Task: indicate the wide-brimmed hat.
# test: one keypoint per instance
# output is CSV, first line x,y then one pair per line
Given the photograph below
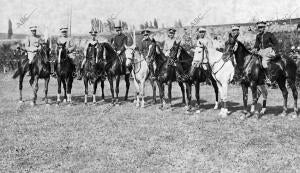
x,y
63,29
32,28
201,29
118,28
172,31
261,24
235,27
145,32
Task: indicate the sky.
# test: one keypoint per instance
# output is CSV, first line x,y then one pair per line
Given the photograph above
x,y
53,14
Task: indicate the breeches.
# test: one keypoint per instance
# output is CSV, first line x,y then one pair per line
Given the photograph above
x,y
266,54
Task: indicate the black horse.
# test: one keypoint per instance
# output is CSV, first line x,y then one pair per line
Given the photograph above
x,y
250,69
165,71
200,74
92,71
64,70
40,70
114,67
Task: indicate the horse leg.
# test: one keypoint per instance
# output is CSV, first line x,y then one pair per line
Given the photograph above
x,y
21,77
69,89
117,89
215,86
264,93
142,89
111,83
127,85
161,93
86,89
94,92
245,101
46,90
254,99
188,94
137,87
102,89
281,82
65,89
292,85
154,91
35,86
58,89
197,95
170,92
182,92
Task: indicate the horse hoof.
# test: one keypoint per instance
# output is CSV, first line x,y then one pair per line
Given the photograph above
x,y
186,107
94,103
283,114
198,111
263,111
32,103
65,100
47,104
142,106
85,103
216,107
21,101
224,115
295,115
257,115
243,117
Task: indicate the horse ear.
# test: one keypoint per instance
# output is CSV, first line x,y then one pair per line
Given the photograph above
x,y
230,35
65,44
179,43
153,40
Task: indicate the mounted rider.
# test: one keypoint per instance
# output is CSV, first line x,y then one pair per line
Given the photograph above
x,y
266,45
201,51
32,45
70,46
295,47
169,42
91,41
118,43
144,48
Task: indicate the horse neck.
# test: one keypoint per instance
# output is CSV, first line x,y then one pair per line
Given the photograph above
x,y
184,55
240,55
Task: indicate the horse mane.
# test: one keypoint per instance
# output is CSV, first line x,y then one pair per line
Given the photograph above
x,y
186,54
110,52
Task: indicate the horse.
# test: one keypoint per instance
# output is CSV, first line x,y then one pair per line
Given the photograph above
x,y
40,70
166,71
64,70
93,71
282,70
140,72
200,74
114,67
222,70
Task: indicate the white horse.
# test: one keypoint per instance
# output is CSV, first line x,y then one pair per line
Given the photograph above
x,y
223,72
140,73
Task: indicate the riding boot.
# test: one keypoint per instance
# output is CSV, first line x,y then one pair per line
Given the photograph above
x,y
30,69
80,74
267,80
153,77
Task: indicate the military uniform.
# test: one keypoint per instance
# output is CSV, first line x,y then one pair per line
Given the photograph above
x,y
168,44
69,45
32,44
146,41
119,42
266,44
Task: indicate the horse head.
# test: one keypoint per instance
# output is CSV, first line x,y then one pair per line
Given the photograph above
x,y
61,52
92,52
130,52
175,51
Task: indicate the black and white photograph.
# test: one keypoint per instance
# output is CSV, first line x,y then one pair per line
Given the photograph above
x,y
116,86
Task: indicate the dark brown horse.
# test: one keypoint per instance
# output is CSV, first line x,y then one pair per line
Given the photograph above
x,y
250,69
165,72
92,71
64,70
114,67
40,70
200,74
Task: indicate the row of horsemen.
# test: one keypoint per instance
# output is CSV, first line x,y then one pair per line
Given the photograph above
x,y
266,45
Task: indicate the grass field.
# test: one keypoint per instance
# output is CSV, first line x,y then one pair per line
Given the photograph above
x,y
105,138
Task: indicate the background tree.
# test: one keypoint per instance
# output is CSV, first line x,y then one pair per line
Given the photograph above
x,y
10,31
155,23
